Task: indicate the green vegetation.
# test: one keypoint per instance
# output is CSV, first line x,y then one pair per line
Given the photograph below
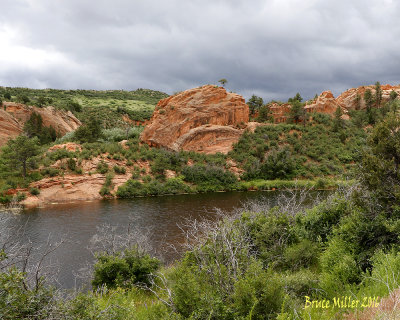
x,y
262,263
123,269
34,128
109,107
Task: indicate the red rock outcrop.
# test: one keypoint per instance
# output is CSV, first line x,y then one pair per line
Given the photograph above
x,y
9,127
14,115
325,103
74,187
205,119
353,99
279,111
69,146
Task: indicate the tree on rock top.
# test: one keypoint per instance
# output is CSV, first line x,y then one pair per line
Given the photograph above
x,y
223,81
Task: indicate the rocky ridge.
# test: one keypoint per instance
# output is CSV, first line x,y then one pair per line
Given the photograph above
x,y
14,115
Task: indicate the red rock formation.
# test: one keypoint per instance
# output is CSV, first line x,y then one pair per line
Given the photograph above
x,y
280,112
353,99
73,187
205,119
14,115
9,127
69,146
325,103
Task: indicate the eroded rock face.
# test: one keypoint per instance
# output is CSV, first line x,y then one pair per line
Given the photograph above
x,y
14,115
9,127
280,112
74,187
353,99
69,146
325,103
205,119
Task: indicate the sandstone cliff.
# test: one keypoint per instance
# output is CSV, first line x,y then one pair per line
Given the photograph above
x,y
14,115
325,103
353,98
206,119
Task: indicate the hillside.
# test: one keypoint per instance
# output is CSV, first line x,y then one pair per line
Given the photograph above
x,y
110,106
187,147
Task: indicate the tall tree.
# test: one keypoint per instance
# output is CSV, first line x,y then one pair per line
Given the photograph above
x,y
358,101
255,103
393,95
378,94
369,102
89,132
264,114
380,166
297,111
19,152
338,122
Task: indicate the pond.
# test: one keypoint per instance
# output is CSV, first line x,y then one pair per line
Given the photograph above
x,y
161,217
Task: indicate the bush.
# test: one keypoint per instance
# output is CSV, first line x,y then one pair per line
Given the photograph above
x,y
17,301
200,174
119,169
34,191
102,167
71,163
124,269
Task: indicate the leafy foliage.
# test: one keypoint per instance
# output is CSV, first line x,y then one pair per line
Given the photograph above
x,y
124,269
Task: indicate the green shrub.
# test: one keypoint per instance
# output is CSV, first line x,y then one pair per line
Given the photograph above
x,y
119,169
34,191
102,167
71,163
200,174
124,269
301,255
19,301
20,196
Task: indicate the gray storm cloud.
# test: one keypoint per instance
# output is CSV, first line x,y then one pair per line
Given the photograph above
x,y
270,48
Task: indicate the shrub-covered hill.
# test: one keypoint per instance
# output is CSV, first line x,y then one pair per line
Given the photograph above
x,y
271,157
286,151
109,106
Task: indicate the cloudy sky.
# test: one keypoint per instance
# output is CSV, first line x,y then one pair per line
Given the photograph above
x,y
272,48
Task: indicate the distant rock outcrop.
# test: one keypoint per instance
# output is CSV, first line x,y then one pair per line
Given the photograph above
x,y
206,119
325,103
14,115
353,99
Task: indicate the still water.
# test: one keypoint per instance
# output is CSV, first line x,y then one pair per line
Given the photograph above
x,y
164,216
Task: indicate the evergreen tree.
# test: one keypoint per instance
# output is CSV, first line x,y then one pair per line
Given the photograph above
x,y
369,102
34,128
264,114
297,111
89,132
338,122
393,95
378,94
223,81
19,152
380,167
358,101
255,103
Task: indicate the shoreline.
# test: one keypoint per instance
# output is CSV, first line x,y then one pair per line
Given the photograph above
x,y
32,202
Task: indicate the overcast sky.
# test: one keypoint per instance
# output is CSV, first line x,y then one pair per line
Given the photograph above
x,y
270,48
